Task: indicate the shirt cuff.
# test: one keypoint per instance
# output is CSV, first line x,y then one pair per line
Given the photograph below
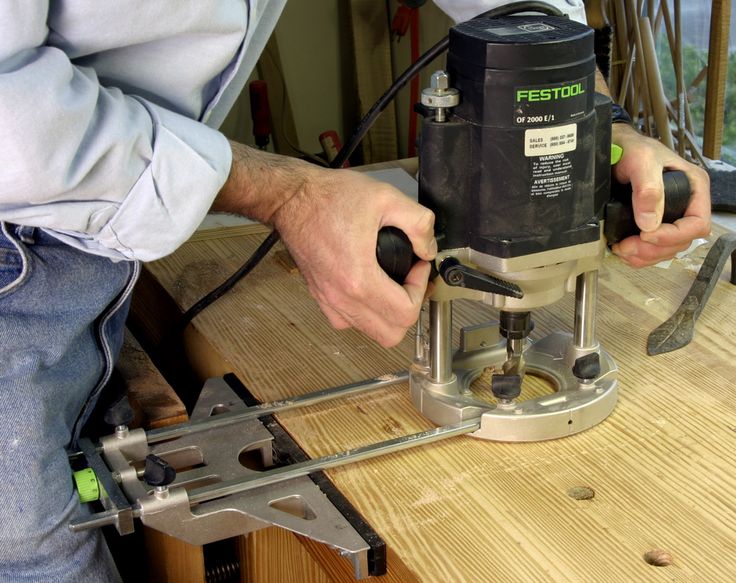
x,y
190,162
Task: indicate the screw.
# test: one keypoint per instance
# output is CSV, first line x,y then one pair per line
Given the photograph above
x,y
161,492
440,81
455,277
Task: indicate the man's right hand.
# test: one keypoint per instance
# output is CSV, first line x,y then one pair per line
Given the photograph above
x,y
329,221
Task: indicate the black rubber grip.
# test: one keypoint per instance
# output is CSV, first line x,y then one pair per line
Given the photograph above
x,y
395,253
620,221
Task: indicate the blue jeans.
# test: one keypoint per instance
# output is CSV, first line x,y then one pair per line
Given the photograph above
x,y
62,314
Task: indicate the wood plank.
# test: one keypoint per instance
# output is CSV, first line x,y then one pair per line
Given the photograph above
x,y
292,563
373,70
661,467
173,561
715,94
270,70
153,399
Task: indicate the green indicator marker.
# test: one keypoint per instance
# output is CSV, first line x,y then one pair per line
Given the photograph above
x,y
87,486
617,153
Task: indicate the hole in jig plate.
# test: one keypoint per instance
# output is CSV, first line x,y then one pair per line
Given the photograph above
x,y
294,505
252,459
219,410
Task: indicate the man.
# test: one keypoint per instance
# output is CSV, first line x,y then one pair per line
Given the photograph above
x,y
108,157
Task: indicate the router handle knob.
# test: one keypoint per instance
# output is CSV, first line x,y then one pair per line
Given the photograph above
x,y
620,222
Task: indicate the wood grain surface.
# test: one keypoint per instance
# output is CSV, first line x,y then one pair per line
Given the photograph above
x,y
648,495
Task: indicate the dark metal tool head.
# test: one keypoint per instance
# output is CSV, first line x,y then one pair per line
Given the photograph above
x,y
679,329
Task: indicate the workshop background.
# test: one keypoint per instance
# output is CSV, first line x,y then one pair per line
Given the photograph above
x,y
320,53
323,50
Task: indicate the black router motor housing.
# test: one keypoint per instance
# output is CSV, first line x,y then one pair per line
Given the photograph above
x,y
522,164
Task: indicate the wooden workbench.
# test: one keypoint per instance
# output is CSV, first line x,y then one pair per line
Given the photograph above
x,y
648,495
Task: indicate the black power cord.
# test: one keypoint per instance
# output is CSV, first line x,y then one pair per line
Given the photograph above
x,y
349,147
430,55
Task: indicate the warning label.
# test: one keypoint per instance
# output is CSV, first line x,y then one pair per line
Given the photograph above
x,y
551,176
554,140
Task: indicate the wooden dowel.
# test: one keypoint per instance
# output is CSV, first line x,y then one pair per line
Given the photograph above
x,y
626,82
720,18
641,68
681,114
656,90
623,53
679,79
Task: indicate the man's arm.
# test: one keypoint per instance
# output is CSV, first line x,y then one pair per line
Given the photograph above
x,y
329,220
111,173
120,176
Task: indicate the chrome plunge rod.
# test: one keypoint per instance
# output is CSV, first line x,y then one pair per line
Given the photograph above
x,y
157,435
342,458
586,293
440,345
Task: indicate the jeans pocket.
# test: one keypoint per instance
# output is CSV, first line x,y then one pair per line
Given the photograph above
x,y
13,261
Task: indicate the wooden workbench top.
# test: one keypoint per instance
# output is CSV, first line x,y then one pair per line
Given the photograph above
x,y
661,470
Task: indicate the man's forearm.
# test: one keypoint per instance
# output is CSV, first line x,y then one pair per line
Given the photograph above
x,y
260,183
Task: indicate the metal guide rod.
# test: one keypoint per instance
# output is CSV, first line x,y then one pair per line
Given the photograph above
x,y
157,435
586,293
440,346
100,519
332,461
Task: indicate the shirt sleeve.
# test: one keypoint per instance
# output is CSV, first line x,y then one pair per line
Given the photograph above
x,y
107,172
462,10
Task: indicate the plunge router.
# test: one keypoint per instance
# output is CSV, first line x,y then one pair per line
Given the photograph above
x,y
515,163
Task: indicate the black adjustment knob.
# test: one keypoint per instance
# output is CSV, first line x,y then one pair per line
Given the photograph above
x,y
458,275
620,221
587,367
505,386
394,253
158,472
120,412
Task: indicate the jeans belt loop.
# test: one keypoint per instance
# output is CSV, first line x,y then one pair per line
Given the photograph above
x,y
26,233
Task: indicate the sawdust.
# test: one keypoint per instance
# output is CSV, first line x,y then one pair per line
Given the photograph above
x,y
388,378
393,427
284,258
428,497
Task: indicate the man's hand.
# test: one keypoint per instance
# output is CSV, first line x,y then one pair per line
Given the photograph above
x,y
329,220
331,228
643,162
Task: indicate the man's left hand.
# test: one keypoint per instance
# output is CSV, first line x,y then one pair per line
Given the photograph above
x,y
642,164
